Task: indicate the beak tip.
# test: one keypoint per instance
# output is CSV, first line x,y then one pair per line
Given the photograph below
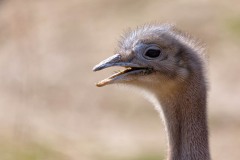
x,y
107,62
96,68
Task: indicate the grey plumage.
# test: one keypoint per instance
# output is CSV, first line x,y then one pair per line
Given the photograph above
x,y
170,66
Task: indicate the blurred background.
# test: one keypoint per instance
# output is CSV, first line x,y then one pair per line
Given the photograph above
x,y
50,108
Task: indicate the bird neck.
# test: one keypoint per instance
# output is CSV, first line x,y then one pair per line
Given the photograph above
x,y
184,115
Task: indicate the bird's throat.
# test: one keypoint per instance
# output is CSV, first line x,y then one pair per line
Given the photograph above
x,y
186,124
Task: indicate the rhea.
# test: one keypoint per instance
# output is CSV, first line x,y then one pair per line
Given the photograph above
x,y
169,66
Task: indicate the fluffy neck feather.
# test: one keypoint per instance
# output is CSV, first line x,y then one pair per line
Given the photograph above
x,y
184,114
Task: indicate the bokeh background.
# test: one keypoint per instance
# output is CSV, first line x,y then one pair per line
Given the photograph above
x,y
50,108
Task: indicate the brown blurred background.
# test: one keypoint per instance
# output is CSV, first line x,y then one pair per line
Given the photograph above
x,y
50,108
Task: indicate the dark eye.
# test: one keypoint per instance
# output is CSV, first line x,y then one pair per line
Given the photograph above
x,y
152,53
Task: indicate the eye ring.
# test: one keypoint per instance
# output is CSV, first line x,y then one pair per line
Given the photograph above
x,y
152,52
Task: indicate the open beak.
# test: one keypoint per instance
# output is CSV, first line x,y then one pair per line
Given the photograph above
x,y
116,60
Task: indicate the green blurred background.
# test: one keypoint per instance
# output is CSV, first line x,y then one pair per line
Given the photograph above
x,y
50,108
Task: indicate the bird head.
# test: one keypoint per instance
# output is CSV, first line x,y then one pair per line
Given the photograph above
x,y
152,55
